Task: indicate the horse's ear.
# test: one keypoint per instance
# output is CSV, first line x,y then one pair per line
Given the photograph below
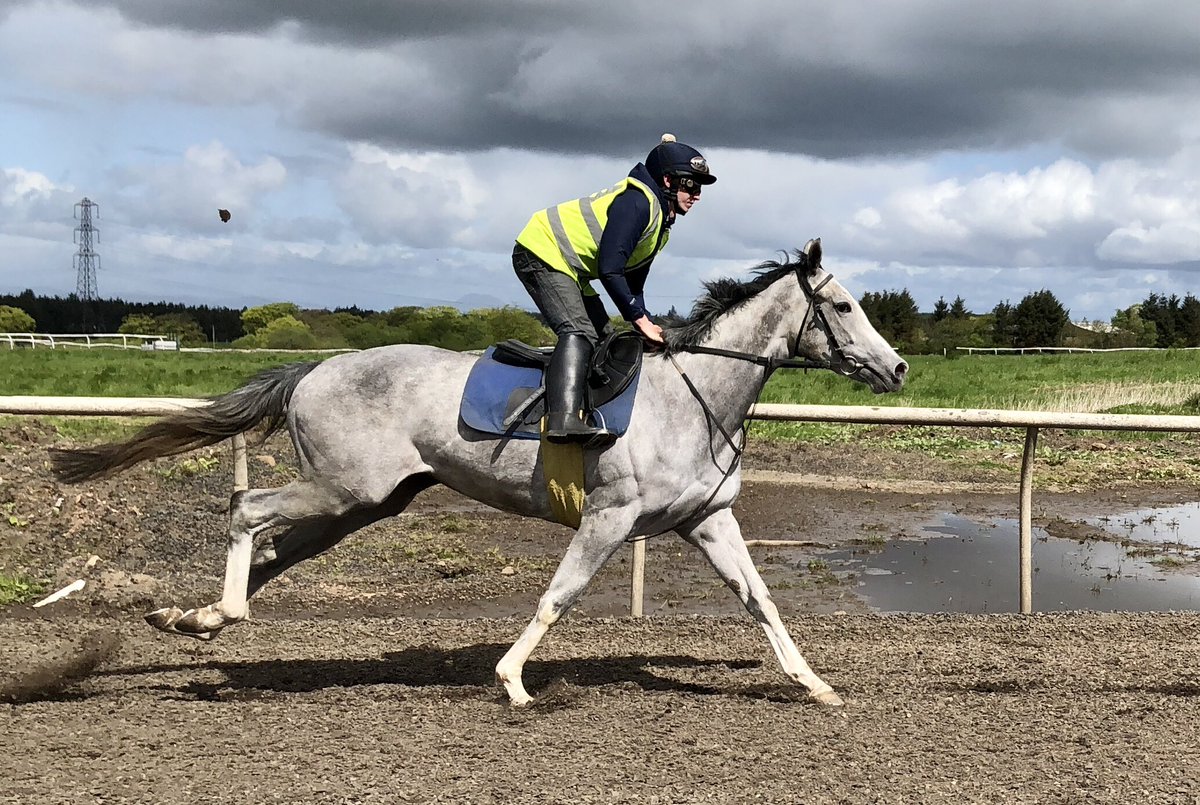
x,y
812,250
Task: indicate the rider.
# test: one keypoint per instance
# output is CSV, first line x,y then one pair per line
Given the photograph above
x,y
612,235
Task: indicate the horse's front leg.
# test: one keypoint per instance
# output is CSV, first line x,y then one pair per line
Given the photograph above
x,y
720,538
598,537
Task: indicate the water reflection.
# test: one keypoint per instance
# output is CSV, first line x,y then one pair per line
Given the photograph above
x,y
969,567
1170,524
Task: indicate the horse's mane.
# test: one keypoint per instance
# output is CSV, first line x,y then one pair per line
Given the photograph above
x,y
723,295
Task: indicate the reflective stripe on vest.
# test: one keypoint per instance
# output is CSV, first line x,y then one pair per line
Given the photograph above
x,y
567,236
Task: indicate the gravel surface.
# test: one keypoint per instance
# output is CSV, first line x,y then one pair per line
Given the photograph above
x,y
366,674
672,709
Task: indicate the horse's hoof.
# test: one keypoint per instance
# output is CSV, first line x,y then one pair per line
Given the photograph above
x,y
828,698
517,696
198,621
520,702
167,620
164,619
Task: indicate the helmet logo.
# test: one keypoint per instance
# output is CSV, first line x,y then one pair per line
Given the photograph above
x,y
699,165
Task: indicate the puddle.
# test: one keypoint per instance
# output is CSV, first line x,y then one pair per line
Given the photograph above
x,y
1171,524
964,566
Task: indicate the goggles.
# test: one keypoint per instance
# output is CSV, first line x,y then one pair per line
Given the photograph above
x,y
687,184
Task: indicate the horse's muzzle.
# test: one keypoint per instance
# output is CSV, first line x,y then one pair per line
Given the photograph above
x,y
881,382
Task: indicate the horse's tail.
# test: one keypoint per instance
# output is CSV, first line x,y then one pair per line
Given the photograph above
x,y
265,397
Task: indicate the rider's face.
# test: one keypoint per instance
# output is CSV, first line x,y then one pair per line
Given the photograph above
x,y
687,193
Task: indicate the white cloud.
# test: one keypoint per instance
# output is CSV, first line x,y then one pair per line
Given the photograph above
x,y
956,147
423,200
1062,214
186,193
1172,242
33,206
18,185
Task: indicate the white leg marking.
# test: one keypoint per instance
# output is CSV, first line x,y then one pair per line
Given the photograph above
x,y
598,537
720,539
511,665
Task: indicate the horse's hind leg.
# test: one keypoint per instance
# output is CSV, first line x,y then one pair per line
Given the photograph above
x,y
720,539
250,512
306,540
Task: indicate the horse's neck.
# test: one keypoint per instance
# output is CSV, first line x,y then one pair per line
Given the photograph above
x,y
762,326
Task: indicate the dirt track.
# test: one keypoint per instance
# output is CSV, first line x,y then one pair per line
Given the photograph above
x,y
366,675
1081,708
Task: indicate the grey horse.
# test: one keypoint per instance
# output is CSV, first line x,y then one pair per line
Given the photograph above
x,y
373,429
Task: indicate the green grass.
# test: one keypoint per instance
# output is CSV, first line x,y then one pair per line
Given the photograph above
x,y
131,373
16,588
125,373
1003,381
979,381
1165,382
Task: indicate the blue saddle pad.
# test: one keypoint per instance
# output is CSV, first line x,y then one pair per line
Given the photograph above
x,y
496,390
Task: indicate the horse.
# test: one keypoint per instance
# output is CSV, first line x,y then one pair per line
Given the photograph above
x,y
372,429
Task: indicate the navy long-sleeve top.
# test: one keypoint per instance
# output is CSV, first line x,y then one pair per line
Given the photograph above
x,y
628,217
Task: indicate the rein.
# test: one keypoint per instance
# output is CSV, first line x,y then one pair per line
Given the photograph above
x,y
841,363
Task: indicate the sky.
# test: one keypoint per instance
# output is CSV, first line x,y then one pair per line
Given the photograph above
x,y
382,153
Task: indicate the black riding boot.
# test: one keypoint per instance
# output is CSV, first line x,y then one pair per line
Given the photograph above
x,y
566,380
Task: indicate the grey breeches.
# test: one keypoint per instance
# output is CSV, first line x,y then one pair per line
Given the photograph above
x,y
559,298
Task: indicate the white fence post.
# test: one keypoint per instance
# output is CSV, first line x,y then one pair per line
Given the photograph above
x,y
1026,527
637,578
241,473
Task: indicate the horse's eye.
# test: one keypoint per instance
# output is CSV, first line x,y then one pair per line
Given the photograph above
x,y
842,307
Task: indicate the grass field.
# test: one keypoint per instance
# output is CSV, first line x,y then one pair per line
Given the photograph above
x,y
1163,382
1130,382
1119,382
131,373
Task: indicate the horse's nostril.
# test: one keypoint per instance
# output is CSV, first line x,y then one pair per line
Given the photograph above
x,y
901,369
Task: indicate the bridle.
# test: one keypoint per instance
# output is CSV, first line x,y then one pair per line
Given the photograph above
x,y
839,362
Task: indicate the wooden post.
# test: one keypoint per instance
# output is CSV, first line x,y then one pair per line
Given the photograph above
x,y
1026,535
241,473
637,578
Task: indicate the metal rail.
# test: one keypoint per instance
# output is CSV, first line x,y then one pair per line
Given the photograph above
x,y
1031,421
55,340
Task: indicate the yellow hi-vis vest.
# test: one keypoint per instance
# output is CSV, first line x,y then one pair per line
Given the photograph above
x,y
567,237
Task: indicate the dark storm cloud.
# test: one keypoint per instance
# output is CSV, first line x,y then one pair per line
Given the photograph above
x,y
359,22
853,79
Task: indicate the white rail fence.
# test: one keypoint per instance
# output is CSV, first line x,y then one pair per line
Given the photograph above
x,y
87,341
123,406
1052,350
1031,421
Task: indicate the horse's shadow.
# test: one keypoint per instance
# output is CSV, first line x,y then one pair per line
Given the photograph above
x,y
470,669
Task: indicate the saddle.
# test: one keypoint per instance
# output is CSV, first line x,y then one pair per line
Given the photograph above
x,y
505,390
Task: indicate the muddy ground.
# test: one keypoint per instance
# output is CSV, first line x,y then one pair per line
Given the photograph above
x,y
366,675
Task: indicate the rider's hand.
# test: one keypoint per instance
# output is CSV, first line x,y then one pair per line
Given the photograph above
x,y
648,330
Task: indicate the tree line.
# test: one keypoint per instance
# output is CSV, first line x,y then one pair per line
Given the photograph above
x,y
1037,320
280,325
